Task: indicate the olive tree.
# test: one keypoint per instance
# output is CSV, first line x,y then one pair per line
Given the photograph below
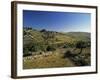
x,y
81,45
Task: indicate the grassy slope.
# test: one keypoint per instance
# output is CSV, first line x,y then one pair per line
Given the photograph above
x,y
37,36
79,35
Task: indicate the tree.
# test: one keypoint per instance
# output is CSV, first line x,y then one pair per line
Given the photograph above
x,y
80,45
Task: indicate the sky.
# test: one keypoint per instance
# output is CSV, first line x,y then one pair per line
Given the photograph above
x,y
57,21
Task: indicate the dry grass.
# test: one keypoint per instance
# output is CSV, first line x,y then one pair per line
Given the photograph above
x,y
51,61
54,60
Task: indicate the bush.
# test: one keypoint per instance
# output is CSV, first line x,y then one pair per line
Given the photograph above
x,y
34,48
65,46
27,55
50,48
24,32
43,47
68,54
81,44
26,52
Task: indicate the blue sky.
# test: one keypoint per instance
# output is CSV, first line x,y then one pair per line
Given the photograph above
x,y
57,21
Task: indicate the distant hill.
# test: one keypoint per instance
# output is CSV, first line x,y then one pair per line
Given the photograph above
x,y
85,36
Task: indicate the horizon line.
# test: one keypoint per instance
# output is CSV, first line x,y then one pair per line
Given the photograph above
x,y
57,31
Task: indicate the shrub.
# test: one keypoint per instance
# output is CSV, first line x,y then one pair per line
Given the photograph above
x,y
43,47
50,48
81,45
24,32
34,48
65,46
26,52
68,54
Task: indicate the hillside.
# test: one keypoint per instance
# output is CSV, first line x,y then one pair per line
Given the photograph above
x,y
79,35
47,49
51,37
